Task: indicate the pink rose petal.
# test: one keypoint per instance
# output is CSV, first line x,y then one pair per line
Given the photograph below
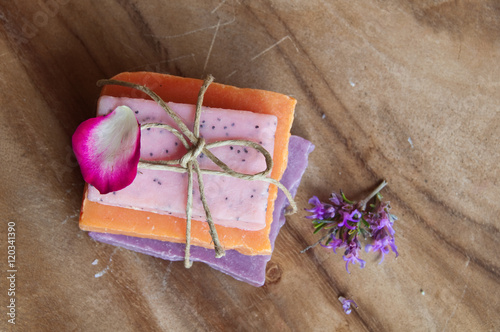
x,y
108,149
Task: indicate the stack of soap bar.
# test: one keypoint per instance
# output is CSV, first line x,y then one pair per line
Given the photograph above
x,y
250,269
233,202
149,215
103,218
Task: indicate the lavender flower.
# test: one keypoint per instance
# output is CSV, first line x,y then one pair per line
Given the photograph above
x,y
349,215
381,218
346,304
382,243
381,222
346,221
336,199
334,243
320,211
351,255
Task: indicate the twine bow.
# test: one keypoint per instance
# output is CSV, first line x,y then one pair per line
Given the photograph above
x,y
188,162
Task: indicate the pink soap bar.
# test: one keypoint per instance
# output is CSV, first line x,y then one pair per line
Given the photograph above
x,y
233,202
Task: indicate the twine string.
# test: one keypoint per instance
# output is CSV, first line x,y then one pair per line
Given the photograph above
x,y
188,162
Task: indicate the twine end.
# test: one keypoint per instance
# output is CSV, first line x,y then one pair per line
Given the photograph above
x,y
290,211
219,252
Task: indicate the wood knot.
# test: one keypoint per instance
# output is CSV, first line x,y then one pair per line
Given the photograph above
x,y
273,273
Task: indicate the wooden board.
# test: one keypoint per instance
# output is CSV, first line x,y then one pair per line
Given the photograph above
x,y
402,90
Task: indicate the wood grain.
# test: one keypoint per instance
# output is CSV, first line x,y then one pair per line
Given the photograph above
x,y
402,90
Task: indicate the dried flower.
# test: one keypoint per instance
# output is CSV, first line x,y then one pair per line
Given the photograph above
x,y
346,304
351,255
320,210
381,222
346,221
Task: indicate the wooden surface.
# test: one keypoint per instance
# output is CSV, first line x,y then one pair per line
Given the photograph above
x,y
409,91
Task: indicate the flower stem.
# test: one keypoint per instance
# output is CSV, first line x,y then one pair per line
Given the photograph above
x,y
362,203
319,241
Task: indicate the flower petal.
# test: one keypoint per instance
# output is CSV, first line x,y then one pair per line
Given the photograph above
x,y
108,149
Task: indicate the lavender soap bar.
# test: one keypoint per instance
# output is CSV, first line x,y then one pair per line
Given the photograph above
x,y
250,269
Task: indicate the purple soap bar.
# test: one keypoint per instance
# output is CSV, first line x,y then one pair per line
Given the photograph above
x,y
250,269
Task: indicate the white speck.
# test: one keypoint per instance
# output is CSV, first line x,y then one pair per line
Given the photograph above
x,y
340,173
352,83
323,115
422,292
95,261
410,141
69,217
100,274
148,218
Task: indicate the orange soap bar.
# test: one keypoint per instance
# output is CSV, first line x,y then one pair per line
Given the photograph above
x,y
116,220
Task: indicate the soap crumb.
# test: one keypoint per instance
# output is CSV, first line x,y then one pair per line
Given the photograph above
x,y
410,141
100,274
95,261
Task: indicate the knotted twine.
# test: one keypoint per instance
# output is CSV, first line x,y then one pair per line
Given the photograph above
x,y
188,162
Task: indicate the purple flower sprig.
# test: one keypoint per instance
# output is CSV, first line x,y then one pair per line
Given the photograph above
x,y
346,304
346,221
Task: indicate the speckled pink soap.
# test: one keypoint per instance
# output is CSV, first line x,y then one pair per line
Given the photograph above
x,y
233,202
